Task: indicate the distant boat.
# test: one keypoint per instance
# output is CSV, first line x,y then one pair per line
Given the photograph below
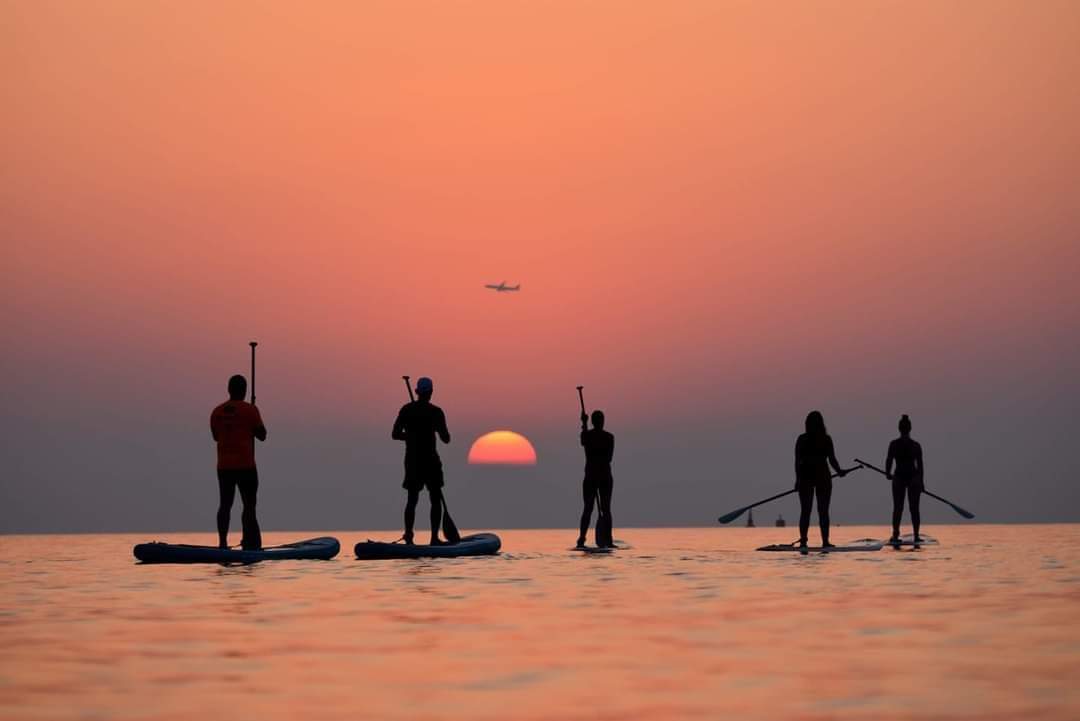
x,y
750,519
780,522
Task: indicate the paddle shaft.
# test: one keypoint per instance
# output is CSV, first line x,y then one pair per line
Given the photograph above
x,y
958,509
408,387
729,517
253,344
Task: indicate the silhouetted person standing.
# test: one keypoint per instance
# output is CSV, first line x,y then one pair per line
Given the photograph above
x,y
907,479
599,450
418,423
235,424
813,455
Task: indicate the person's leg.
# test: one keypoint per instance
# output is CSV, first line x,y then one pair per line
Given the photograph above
x,y
897,508
435,494
226,494
824,496
806,504
410,512
588,497
605,510
249,491
914,494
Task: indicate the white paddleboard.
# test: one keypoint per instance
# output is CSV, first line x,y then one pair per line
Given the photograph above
x,y
591,549
908,539
863,544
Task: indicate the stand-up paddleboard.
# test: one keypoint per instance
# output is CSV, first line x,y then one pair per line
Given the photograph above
x,y
323,549
592,549
863,544
908,539
480,544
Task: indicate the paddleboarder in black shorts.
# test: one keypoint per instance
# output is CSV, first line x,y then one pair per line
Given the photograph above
x,y
234,425
418,423
599,450
814,454
907,479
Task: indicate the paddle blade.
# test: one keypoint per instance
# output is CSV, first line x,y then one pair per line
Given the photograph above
x,y
966,514
729,517
962,512
450,530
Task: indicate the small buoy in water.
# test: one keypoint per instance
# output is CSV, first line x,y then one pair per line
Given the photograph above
x,y
780,522
750,519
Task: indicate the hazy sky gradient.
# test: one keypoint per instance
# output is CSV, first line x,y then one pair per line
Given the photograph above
x,y
722,214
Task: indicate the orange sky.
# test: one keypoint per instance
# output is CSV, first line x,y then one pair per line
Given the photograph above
x,y
709,204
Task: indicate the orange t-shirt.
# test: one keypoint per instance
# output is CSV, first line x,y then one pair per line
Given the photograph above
x,y
233,424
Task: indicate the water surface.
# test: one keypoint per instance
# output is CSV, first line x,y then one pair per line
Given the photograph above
x,y
686,624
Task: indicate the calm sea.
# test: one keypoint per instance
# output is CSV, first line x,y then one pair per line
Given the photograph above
x,y
686,624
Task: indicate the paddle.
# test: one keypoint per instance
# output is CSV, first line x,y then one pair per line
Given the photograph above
x,y
729,517
450,529
958,509
602,532
253,344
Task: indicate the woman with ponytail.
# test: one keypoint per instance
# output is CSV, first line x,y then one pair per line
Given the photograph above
x,y
907,480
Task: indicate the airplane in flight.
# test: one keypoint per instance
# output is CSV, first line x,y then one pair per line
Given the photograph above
x,y
503,287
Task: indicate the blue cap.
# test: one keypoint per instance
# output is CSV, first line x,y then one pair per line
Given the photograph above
x,y
424,385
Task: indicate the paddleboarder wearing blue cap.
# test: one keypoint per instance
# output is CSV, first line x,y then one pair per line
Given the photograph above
x,y
418,423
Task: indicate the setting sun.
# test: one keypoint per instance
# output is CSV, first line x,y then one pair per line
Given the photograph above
x,y
503,447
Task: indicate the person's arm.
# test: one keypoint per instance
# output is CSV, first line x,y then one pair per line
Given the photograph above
x,y
919,463
398,433
260,428
889,458
213,428
833,462
611,450
443,431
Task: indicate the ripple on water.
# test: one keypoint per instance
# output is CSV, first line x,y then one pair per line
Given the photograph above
x,y
691,616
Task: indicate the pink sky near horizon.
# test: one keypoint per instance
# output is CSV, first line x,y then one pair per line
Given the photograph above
x,y
705,202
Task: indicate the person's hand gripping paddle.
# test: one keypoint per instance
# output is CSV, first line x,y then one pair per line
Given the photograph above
x,y
602,531
450,529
